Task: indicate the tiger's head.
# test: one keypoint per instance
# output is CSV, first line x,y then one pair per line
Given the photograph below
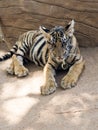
x,y
59,40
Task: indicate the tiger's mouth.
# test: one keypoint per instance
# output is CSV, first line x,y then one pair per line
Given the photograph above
x,y
58,59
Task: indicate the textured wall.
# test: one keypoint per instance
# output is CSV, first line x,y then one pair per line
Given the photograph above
x,y
19,16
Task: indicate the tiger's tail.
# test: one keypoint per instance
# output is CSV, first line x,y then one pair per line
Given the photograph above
x,y
9,53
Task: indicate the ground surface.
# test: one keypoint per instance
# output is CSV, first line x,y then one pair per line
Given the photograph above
x,y
23,108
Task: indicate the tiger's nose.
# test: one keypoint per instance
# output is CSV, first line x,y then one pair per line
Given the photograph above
x,y
60,57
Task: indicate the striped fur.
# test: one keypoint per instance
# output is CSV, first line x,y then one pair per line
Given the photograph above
x,y
9,54
31,44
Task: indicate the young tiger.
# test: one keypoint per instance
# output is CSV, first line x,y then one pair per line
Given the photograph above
x,y
54,49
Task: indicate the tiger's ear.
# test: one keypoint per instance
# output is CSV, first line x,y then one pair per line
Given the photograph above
x,y
45,32
69,29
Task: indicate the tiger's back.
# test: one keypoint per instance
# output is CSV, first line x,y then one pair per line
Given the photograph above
x,y
31,45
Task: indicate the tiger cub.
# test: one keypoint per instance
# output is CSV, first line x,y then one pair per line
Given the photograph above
x,y
52,49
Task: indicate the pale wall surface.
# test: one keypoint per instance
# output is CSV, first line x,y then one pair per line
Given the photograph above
x,y
19,16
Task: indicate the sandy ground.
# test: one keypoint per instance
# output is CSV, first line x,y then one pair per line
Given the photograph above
x,y
23,108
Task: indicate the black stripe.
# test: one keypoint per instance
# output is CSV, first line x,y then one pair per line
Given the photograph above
x,y
27,38
40,48
52,65
15,47
19,55
25,47
36,60
21,49
1,59
11,53
46,55
74,60
36,44
41,60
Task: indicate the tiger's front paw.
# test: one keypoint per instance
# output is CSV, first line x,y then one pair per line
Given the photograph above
x,y
68,82
48,88
21,71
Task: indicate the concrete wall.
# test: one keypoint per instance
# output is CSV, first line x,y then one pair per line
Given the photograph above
x,y
18,16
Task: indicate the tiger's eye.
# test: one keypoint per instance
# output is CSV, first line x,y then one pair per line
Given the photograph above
x,y
61,34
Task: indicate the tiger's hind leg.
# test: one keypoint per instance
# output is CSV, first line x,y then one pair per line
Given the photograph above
x,y
72,76
17,68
